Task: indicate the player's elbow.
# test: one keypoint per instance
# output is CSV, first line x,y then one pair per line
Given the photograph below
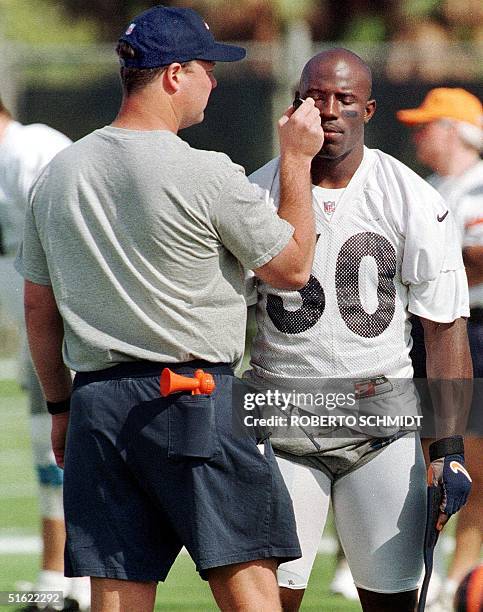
x,y
288,270
290,279
296,265
298,273
298,280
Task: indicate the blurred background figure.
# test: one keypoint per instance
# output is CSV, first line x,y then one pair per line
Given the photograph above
x,y
343,583
448,137
469,596
24,151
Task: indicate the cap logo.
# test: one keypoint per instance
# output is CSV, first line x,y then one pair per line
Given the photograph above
x,y
206,25
130,28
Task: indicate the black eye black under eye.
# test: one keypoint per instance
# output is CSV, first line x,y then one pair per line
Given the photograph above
x,y
350,114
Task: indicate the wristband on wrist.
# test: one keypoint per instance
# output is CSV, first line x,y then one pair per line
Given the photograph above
x,y
58,407
446,446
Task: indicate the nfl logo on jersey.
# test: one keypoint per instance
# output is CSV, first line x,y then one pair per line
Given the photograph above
x,y
329,207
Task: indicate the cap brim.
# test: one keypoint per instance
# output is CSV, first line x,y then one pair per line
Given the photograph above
x,y
223,53
414,116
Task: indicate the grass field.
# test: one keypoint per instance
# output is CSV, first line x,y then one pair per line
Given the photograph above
x,y
19,518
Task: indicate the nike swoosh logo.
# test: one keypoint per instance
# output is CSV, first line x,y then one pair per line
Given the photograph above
x,y
442,217
457,467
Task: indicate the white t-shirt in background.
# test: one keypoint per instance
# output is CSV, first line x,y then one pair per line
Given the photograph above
x,y
464,195
24,151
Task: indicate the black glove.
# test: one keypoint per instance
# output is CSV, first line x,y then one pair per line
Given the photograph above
x,y
448,470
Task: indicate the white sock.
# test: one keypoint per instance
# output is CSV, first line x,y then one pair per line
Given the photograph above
x,y
80,590
49,580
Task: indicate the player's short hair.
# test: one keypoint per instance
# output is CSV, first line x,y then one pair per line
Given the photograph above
x,y
135,79
3,109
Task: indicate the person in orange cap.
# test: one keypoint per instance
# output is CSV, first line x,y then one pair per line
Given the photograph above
x,y
448,137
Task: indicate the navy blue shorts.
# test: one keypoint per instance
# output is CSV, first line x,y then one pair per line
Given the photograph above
x,y
146,475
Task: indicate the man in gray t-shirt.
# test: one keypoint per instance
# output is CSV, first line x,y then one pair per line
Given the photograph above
x,y
133,257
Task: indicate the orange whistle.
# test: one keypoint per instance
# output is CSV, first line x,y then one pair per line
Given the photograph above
x,y
175,383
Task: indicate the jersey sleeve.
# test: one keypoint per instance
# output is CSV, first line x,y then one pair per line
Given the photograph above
x,y
31,262
247,222
432,264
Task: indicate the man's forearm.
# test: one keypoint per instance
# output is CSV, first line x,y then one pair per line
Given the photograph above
x,y
301,137
473,259
296,203
45,333
449,371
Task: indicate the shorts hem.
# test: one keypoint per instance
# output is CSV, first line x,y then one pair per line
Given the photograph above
x,y
284,554
115,574
292,587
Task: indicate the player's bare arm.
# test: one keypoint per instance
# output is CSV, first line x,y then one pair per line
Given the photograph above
x,y
449,359
448,366
473,258
46,333
301,137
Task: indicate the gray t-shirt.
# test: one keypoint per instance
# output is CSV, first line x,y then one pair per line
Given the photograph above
x,y
143,240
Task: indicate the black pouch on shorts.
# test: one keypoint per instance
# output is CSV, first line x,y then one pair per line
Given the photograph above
x,y
192,427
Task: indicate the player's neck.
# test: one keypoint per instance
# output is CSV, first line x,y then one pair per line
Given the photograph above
x,y
336,173
135,114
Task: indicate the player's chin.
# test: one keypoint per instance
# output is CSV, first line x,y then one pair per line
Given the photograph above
x,y
330,151
193,120
199,117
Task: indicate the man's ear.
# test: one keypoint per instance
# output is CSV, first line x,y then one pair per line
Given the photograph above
x,y
172,77
369,110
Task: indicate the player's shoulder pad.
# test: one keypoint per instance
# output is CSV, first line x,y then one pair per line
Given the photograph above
x,y
34,145
265,176
404,183
41,130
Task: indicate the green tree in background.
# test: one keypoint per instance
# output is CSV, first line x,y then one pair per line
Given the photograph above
x,y
44,22
111,15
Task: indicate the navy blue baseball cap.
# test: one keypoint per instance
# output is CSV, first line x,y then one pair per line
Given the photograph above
x,y
163,35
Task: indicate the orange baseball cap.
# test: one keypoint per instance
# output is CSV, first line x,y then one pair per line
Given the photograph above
x,y
445,103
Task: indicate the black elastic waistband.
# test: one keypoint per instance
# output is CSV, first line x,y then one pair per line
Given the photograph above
x,y
140,369
476,315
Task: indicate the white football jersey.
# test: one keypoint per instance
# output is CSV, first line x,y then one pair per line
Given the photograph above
x,y
24,151
389,248
464,195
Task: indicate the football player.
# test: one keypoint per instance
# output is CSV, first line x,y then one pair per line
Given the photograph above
x,y
386,247
24,151
448,138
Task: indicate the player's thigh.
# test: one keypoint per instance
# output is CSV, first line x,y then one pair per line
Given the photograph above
x,y
380,516
310,492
